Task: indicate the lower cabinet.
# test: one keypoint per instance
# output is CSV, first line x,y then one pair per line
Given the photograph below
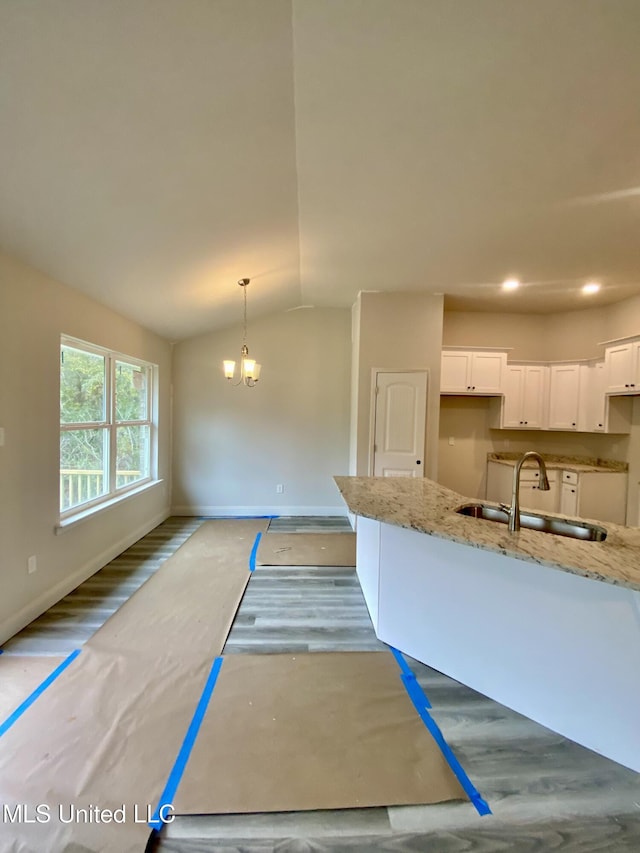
x,y
500,485
531,495
601,496
568,499
598,495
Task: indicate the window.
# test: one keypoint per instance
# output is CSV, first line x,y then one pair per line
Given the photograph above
x,y
106,436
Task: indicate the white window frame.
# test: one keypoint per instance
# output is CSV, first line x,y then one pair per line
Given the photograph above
x,y
110,425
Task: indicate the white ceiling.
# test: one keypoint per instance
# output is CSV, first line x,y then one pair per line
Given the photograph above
x,y
152,152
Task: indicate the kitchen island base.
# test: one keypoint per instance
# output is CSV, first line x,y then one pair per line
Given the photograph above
x,y
562,649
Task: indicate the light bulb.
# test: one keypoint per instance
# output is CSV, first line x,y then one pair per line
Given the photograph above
x,y
248,367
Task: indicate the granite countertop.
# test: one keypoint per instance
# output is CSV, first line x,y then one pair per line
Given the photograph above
x,y
428,507
579,464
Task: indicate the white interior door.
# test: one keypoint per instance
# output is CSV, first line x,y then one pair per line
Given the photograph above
x,y
400,416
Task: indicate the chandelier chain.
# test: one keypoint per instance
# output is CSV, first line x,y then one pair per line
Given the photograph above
x,y
244,331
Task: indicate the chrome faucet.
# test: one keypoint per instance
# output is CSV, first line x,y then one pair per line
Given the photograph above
x,y
514,509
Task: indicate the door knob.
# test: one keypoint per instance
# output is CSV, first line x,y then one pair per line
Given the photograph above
x,y
418,462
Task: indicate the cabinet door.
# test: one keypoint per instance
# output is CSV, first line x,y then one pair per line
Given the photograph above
x,y
619,367
564,396
534,397
532,498
486,372
569,500
635,376
514,379
455,372
597,405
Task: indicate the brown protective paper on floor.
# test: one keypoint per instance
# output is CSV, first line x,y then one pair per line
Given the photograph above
x,y
307,549
107,732
20,675
317,731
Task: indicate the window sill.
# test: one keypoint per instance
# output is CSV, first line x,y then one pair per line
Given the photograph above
x,y
84,514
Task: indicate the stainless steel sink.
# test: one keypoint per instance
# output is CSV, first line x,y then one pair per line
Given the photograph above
x,y
570,527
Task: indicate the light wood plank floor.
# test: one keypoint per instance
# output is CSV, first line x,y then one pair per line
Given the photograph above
x,y
547,793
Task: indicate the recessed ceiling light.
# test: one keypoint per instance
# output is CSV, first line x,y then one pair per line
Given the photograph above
x,y
591,287
510,284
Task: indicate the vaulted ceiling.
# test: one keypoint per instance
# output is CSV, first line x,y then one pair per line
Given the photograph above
x,y
152,152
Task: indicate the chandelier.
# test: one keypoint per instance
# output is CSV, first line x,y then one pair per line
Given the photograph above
x,y
249,368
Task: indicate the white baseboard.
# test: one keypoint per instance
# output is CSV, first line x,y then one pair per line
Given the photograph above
x,y
36,608
233,511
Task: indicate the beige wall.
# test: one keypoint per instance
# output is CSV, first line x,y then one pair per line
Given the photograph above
x,y
462,465
34,312
563,336
521,332
232,446
531,337
399,331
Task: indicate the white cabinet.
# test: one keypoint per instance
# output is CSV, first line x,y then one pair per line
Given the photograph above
x,y
569,499
532,497
599,411
525,392
472,371
564,396
622,361
593,410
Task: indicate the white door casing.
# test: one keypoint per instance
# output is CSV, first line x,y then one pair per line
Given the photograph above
x,y
399,423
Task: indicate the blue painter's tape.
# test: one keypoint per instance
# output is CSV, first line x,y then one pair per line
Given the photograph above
x,y
409,680
37,692
254,552
421,703
232,517
1,651
166,798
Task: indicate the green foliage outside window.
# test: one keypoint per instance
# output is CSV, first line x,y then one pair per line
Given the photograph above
x,y
85,400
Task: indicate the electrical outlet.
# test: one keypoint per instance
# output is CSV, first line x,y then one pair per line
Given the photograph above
x,y
32,565
279,489
452,440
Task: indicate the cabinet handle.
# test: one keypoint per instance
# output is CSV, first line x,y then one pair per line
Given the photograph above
x,y
573,491
626,385
633,385
474,388
468,387
526,422
572,424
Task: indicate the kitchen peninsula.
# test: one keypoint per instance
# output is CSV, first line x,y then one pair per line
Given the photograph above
x,y
547,625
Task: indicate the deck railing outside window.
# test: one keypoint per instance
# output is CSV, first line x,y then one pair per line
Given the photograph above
x,y
78,487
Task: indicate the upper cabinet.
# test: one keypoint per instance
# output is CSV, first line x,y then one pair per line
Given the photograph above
x,y
564,396
525,395
477,371
622,366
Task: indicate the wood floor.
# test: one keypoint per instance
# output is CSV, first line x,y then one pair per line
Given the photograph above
x,y
546,793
